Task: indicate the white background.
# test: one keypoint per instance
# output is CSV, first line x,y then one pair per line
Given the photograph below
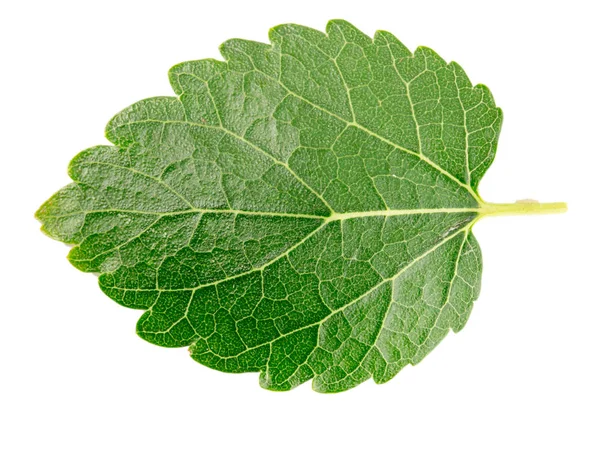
x,y
524,372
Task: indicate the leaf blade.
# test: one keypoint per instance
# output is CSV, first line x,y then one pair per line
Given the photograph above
x,y
302,209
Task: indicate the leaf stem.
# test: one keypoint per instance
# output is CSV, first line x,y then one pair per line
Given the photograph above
x,y
522,207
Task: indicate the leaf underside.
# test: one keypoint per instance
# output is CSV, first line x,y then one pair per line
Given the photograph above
x,y
302,209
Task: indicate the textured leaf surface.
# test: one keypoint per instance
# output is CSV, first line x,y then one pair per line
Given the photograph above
x,y
302,209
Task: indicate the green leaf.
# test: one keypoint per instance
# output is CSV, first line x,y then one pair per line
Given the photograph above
x,y
302,209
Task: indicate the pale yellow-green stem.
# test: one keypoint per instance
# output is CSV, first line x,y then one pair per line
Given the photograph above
x,y
522,207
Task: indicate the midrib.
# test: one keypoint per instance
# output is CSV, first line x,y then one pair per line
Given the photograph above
x,y
333,217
